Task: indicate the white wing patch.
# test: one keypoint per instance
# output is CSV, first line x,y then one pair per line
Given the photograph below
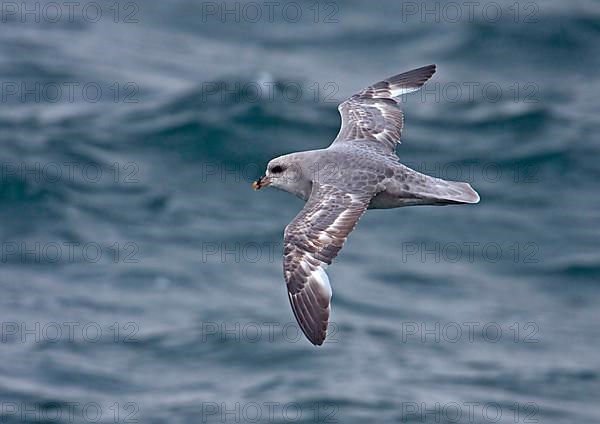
x,y
323,279
401,91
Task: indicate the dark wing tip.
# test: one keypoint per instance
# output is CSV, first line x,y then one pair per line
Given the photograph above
x,y
423,71
414,78
429,70
311,318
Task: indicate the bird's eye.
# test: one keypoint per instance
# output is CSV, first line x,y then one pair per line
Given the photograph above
x,y
277,169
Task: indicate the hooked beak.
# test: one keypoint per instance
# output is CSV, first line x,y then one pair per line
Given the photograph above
x,y
261,182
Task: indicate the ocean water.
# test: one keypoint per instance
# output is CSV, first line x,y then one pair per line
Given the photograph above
x,y
140,276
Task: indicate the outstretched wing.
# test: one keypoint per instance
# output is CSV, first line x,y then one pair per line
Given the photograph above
x,y
312,240
372,114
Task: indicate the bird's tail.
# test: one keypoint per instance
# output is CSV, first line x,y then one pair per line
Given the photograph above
x,y
428,190
458,192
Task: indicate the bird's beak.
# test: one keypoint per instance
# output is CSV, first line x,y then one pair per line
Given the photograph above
x,y
261,182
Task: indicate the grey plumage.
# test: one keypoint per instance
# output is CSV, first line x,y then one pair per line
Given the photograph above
x,y
358,171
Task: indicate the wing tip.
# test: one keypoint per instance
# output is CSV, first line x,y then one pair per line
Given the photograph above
x,y
415,77
475,196
469,195
430,69
314,335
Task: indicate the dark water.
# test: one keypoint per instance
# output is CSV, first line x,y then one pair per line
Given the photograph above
x,y
141,277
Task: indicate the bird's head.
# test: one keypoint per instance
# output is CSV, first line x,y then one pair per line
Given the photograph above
x,y
281,172
285,173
